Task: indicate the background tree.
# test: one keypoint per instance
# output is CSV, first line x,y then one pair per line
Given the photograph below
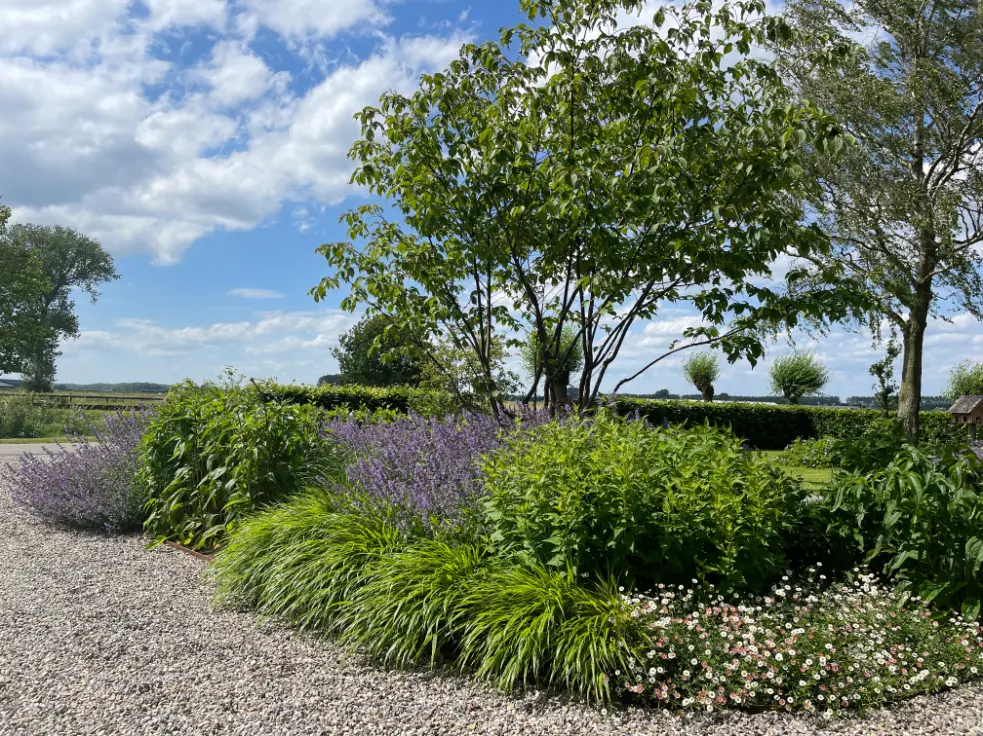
x,y
580,173
965,379
560,365
883,372
376,352
796,375
903,204
457,371
331,379
42,265
702,370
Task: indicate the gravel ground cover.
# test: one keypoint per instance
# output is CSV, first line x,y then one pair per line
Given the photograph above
x,y
100,636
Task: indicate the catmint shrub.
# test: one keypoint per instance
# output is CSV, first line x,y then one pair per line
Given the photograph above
x,y
91,485
426,467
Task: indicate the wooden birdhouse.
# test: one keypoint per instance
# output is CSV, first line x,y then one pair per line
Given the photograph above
x,y
968,410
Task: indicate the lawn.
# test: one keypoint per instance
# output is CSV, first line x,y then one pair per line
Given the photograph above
x,y
812,477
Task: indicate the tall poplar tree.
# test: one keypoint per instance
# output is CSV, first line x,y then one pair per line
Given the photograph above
x,y
903,205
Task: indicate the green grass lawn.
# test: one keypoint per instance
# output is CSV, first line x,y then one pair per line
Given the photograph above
x,y
36,440
814,477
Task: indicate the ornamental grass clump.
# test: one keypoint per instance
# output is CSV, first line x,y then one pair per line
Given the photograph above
x,y
800,647
90,486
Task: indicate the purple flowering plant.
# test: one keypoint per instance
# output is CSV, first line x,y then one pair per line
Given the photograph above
x,y
91,483
428,468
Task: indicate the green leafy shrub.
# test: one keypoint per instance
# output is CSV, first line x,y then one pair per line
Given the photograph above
x,y
213,454
775,427
920,522
615,497
809,453
23,416
798,374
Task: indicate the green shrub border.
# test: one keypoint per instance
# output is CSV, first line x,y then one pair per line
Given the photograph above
x,y
767,427
764,426
403,399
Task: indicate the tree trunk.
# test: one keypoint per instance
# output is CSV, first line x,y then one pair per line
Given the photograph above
x,y
910,394
558,391
707,392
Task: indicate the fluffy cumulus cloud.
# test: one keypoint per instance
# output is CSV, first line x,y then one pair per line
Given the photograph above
x,y
150,124
290,345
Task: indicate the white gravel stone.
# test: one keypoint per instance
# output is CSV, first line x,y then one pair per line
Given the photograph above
x,y
100,636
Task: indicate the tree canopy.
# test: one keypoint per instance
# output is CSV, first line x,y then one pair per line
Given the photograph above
x,y
965,379
42,265
578,173
375,352
702,370
903,205
798,374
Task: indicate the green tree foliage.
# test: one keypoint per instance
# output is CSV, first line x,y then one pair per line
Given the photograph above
x,y
566,359
331,379
883,372
903,205
965,379
577,173
42,265
375,352
702,370
449,368
797,375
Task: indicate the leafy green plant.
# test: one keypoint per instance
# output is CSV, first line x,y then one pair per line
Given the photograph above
x,y
410,610
525,624
401,399
919,520
702,370
868,448
24,416
613,497
214,454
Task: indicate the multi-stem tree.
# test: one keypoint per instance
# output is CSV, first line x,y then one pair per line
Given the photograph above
x,y
903,205
584,173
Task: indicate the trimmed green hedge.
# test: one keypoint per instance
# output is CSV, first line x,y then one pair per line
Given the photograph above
x,y
767,427
403,399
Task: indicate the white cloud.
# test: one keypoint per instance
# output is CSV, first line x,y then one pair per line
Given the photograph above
x,y
183,13
235,74
300,18
256,293
147,155
292,345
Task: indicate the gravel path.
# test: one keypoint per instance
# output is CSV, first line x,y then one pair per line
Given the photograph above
x,y
100,636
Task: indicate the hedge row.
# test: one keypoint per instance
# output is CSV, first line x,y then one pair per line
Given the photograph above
x,y
768,427
403,399
764,426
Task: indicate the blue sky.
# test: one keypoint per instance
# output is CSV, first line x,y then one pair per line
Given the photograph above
x,y
204,142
